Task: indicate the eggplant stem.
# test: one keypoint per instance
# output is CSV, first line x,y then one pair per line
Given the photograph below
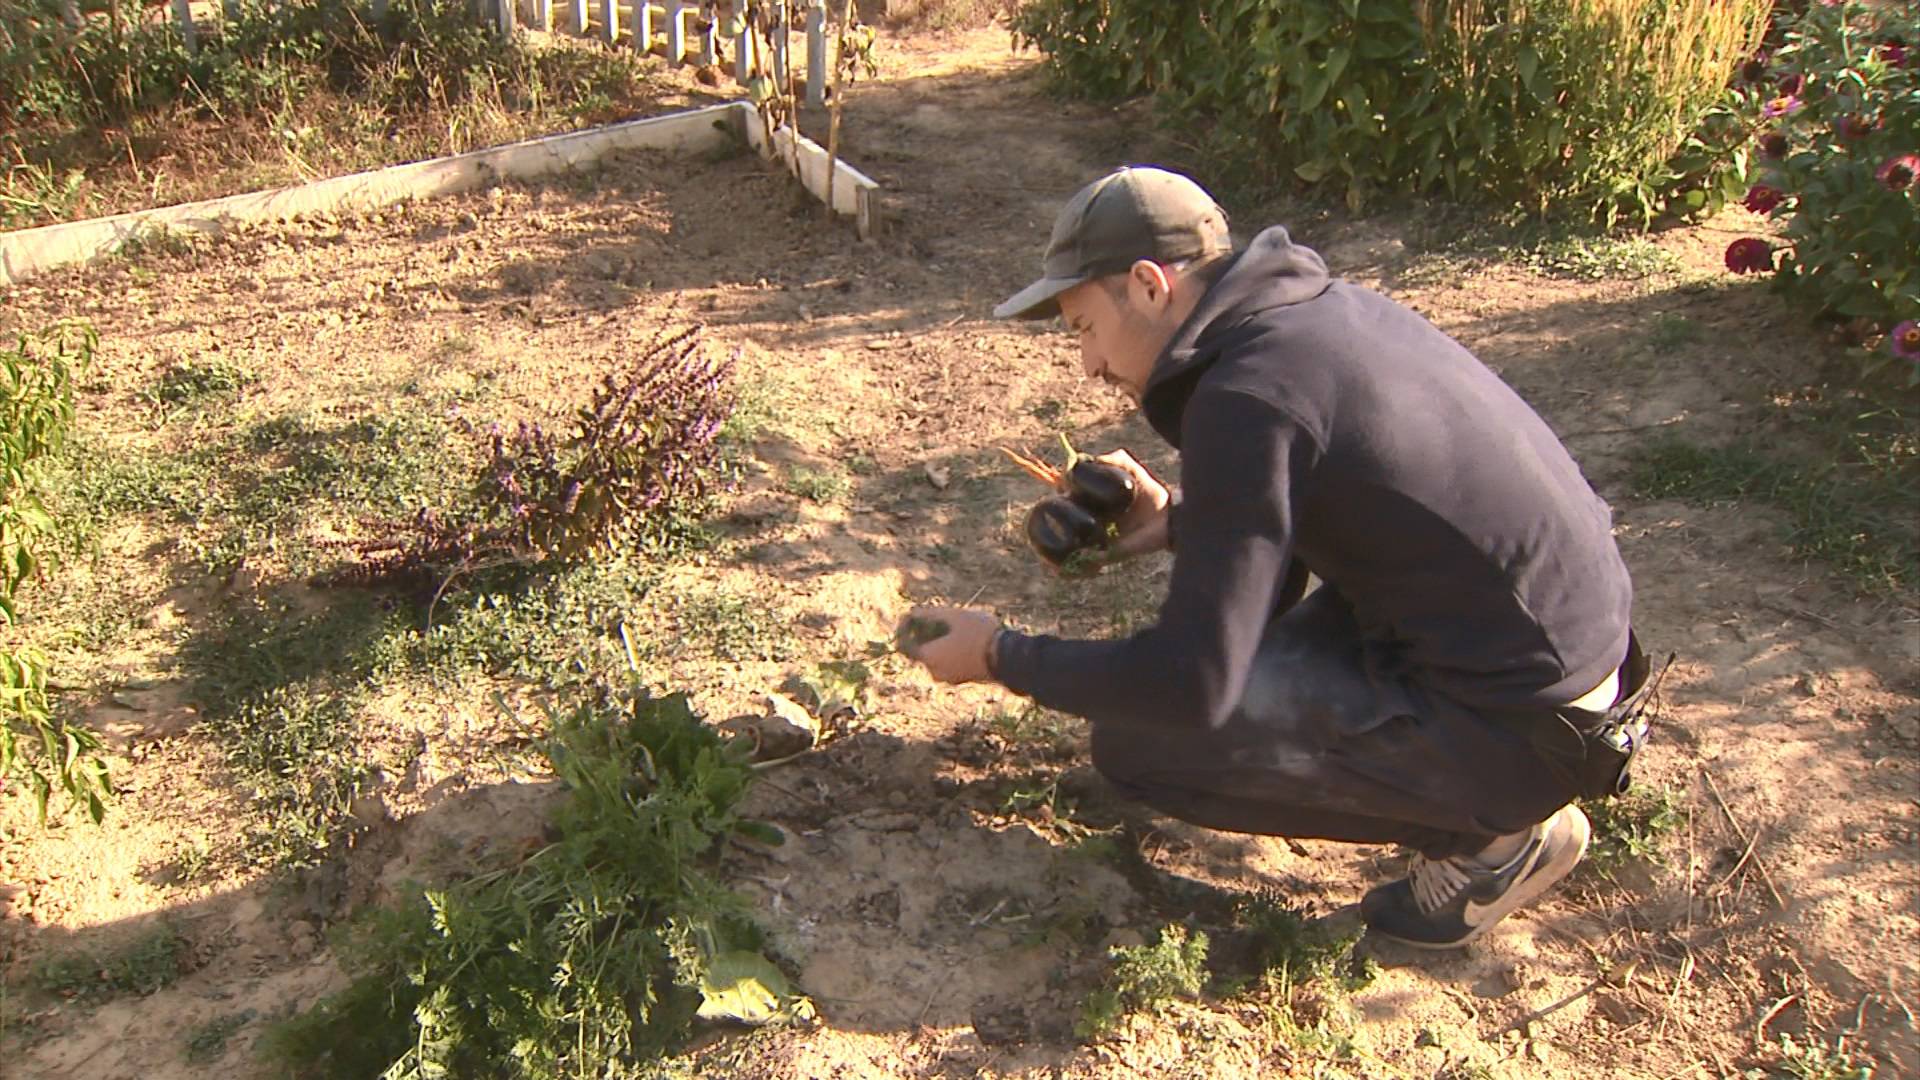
x,y
1073,456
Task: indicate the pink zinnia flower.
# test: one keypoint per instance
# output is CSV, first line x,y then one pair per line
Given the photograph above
x,y
1762,198
1780,106
1773,145
1749,255
1905,340
1898,173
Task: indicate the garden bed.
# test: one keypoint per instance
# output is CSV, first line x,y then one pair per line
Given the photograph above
x,y
953,881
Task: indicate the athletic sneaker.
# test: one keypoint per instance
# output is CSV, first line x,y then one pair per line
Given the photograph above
x,y
1445,903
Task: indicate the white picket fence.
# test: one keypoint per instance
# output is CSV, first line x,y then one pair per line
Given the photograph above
x,y
640,25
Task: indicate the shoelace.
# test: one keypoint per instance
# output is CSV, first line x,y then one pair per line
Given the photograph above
x,y
1435,881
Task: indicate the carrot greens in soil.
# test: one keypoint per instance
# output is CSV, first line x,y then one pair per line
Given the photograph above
x,y
595,951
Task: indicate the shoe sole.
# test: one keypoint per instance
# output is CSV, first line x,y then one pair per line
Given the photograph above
x,y
1535,882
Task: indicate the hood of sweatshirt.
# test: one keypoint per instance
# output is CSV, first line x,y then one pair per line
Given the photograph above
x,y
1272,272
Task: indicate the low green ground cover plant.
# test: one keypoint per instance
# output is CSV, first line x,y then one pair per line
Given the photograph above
x,y
147,963
1841,465
1145,977
1551,250
186,383
208,1042
1812,1058
230,488
1835,116
1305,973
1300,973
594,953
282,693
1634,828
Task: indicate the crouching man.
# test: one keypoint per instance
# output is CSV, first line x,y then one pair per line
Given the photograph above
x,y
1466,668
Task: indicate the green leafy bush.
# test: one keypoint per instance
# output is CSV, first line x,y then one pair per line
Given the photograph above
x,y
326,84
1836,111
100,72
1469,97
36,409
595,952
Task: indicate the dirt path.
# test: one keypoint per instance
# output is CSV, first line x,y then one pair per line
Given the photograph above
x,y
943,928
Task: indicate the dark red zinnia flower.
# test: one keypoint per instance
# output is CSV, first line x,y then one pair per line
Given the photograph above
x,y
1754,70
1749,255
1898,173
1762,198
1855,127
1773,145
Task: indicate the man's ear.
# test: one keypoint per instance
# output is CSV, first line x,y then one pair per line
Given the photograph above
x,y
1150,282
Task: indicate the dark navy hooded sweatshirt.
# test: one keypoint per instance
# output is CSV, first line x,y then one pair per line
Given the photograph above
x,y
1320,421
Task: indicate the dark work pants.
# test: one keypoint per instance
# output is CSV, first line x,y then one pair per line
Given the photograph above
x,y
1321,748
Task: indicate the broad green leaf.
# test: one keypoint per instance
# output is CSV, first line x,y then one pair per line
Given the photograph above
x,y
746,987
1337,58
761,832
1316,90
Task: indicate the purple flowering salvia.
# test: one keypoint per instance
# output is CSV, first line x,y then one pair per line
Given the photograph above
x,y
646,439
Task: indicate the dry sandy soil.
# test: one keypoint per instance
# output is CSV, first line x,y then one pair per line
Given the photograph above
x,y
939,934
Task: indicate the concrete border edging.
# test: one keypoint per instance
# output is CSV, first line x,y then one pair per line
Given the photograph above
x,y
853,190
28,252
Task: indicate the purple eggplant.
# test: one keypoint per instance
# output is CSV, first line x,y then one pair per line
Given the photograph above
x,y
1057,527
1103,490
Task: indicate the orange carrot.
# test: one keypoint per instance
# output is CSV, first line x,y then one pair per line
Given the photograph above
x,y
1035,468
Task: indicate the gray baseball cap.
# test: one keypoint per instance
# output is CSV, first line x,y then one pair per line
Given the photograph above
x,y
1134,213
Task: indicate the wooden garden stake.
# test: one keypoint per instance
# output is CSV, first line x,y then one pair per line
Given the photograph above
x,y
833,111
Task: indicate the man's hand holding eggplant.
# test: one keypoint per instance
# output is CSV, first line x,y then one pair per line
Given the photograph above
x,y
1103,509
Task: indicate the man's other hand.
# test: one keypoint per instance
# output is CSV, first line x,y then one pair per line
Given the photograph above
x,y
1143,528
960,654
